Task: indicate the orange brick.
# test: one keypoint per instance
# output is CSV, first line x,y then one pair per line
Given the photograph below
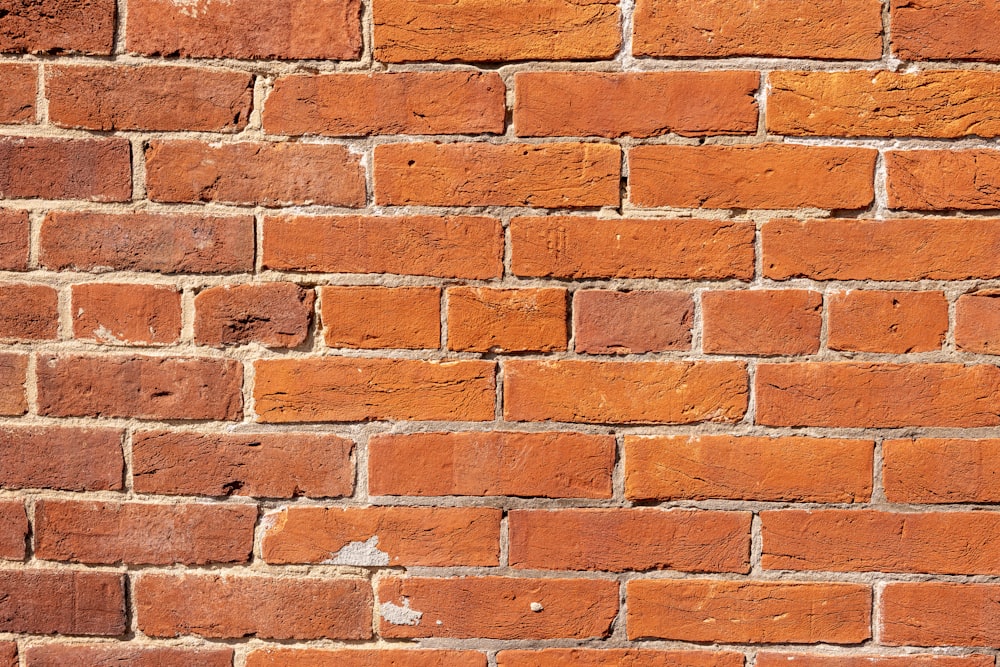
x,y
70,459
866,395
894,322
607,322
562,175
940,614
383,536
482,319
751,612
944,29
497,608
847,29
942,180
14,240
57,655
28,312
142,533
284,657
869,660
85,26
630,539
647,104
485,31
126,313
49,168
624,392
340,105
8,654
578,247
445,247
67,602
573,657
769,322
259,173
13,377
941,470
936,249
358,389
271,465
20,85
297,29
789,469
13,532
170,605
148,98
271,314
381,317
977,317
947,104
549,465
767,176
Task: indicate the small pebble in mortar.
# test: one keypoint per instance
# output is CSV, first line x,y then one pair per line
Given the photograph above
x,y
536,606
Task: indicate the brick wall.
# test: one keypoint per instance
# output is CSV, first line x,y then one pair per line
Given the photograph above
x,y
454,333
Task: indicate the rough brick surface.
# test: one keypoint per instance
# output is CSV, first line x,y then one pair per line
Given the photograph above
x,y
28,312
606,322
943,29
67,602
387,657
894,322
13,530
493,320
771,322
86,26
936,470
940,614
14,240
126,313
54,655
272,314
381,317
20,84
70,459
48,168
13,381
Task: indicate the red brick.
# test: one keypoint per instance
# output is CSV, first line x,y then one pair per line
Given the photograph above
x,y
941,470
14,240
785,469
577,247
769,322
936,249
8,654
13,531
86,26
169,605
142,533
13,376
20,85
861,541
358,389
126,313
625,392
847,29
485,31
445,247
944,30
977,317
482,319
630,539
289,657
870,660
264,174
750,612
560,175
70,459
65,602
28,312
609,322
647,104
581,657
168,99
381,317
271,314
49,168
350,105
940,614
141,387
163,243
945,104
862,394
767,176
269,465
298,29
893,322
383,536
943,180
497,608
549,465
82,655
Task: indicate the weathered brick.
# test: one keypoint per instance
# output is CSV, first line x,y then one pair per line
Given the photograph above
x,y
85,26
607,322
944,29
483,319
13,377
767,176
126,313
139,386
485,31
647,104
550,465
265,174
270,465
941,180
348,105
572,175
50,168
13,531
977,316
8,654
625,392
389,657
940,614
83,655
941,470
383,536
28,312
358,389
445,247
271,314
20,86
872,660
768,322
70,459
65,602
497,608
14,240
893,322
577,247
788,469
582,657
381,317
